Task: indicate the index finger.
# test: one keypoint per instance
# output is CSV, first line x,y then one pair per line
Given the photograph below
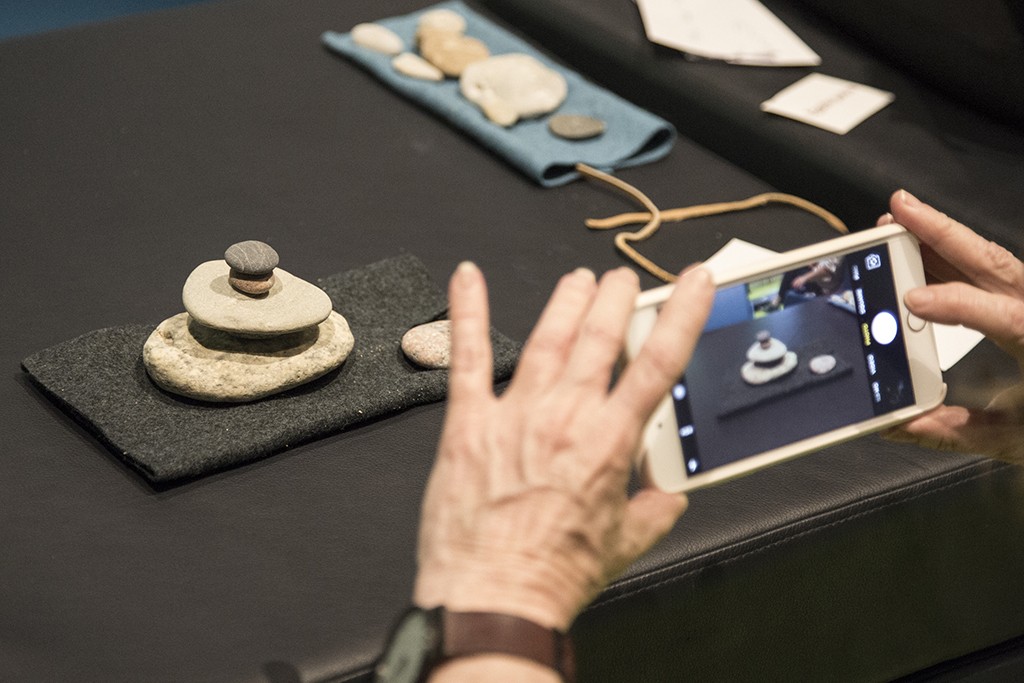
x,y
470,375
667,350
983,262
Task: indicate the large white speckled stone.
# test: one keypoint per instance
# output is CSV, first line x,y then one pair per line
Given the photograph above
x,y
521,82
497,110
206,364
291,304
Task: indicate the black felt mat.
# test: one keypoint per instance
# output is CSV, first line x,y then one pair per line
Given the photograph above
x,y
99,378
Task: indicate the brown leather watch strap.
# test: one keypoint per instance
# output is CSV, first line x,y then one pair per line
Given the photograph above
x,y
477,633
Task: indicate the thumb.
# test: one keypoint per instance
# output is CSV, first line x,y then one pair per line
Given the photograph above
x,y
998,316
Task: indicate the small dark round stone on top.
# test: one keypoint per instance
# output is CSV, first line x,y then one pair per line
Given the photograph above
x,y
251,257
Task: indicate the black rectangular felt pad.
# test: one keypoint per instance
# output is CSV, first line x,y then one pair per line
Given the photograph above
x,y
99,378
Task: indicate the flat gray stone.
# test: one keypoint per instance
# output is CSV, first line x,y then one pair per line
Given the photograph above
x,y
252,257
292,304
757,374
429,345
575,126
191,360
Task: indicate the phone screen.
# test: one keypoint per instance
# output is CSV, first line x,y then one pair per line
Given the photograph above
x,y
791,356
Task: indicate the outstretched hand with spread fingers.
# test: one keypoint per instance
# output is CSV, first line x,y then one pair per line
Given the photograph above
x,y
526,510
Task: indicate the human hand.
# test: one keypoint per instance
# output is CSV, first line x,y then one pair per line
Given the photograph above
x,y
980,285
800,281
526,511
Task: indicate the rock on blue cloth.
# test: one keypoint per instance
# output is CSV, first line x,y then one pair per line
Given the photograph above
x,y
633,135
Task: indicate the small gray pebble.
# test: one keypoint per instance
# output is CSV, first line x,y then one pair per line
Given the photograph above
x,y
429,345
575,126
251,257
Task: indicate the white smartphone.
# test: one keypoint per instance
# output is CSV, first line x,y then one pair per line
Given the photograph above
x,y
801,350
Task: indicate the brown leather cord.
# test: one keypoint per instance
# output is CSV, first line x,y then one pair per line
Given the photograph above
x,y
653,217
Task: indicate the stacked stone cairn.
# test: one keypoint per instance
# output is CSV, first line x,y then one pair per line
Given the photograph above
x,y
768,359
249,330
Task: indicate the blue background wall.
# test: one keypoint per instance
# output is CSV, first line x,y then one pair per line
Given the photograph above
x,y
21,17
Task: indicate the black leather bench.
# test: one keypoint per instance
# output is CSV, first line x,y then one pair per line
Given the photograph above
x,y
962,158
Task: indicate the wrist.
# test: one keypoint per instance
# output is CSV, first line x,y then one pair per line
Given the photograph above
x,y
542,599
429,641
493,668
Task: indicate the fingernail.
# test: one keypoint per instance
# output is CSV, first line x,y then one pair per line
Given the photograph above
x,y
466,268
910,200
696,273
584,272
885,219
916,298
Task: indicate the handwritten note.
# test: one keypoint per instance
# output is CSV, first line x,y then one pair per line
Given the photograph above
x,y
735,31
827,102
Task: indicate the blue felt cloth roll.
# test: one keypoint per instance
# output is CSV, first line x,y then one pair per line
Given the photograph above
x,y
633,136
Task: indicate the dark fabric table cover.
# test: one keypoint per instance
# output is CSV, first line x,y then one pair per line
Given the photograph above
x,y
132,147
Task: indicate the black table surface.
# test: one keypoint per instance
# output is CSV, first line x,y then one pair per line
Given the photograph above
x,y
132,151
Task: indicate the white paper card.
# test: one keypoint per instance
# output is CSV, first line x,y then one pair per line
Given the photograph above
x,y
736,31
952,341
830,103
735,254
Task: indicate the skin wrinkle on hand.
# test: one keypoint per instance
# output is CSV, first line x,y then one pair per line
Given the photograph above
x,y
526,512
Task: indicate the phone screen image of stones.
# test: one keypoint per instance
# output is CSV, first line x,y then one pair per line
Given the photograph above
x,y
855,321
